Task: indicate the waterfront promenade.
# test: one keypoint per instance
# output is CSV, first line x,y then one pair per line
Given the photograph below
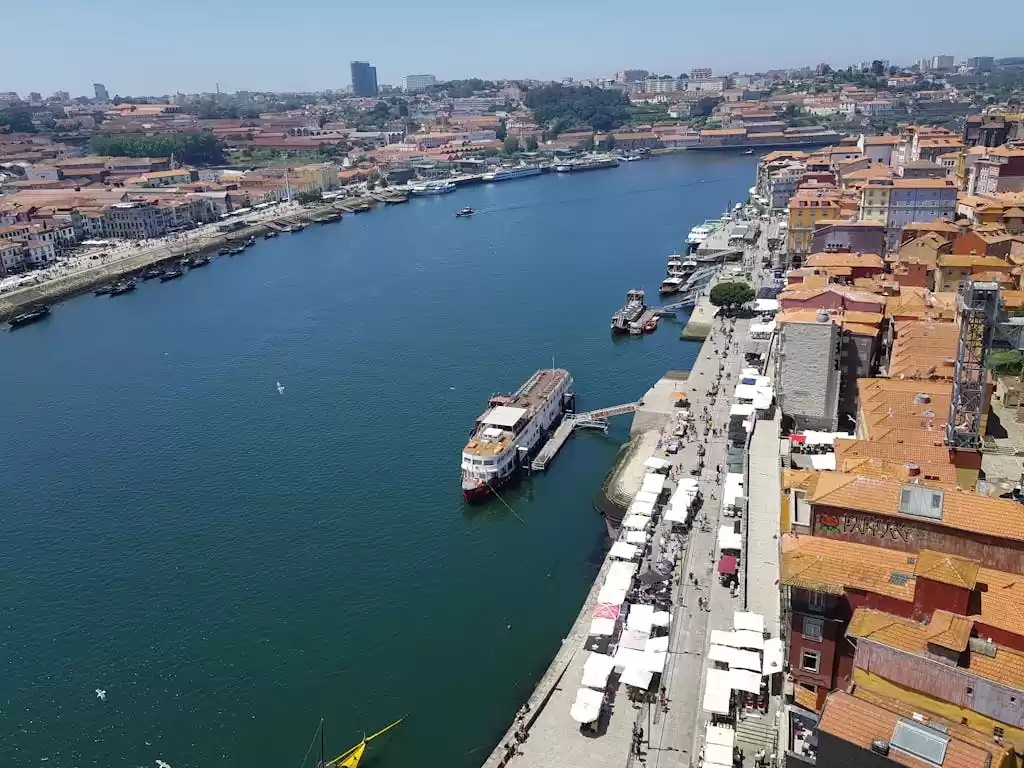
x,y
673,734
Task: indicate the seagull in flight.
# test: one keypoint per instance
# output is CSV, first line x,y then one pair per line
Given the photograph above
x,y
101,694
162,764
280,388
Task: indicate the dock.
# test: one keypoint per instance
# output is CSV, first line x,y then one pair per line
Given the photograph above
x,y
587,420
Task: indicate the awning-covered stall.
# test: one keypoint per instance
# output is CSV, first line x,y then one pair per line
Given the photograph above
x,y
623,551
655,464
653,483
766,305
677,514
745,680
631,638
637,537
747,620
823,461
587,706
606,611
728,539
645,508
773,656
636,522
727,565
761,330
742,409
661,618
717,692
738,638
596,670
602,627
716,734
638,678
736,658
733,489
717,754
657,644
617,582
646,496
640,618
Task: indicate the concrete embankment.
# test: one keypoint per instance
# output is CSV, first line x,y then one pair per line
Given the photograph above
x,y
698,326
85,280
620,486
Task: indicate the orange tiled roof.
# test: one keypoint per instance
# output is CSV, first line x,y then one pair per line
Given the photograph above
x,y
845,260
832,566
805,698
1005,667
934,460
860,722
967,260
961,510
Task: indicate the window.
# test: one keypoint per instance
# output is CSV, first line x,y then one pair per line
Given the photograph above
x,y
998,732
816,601
810,661
813,628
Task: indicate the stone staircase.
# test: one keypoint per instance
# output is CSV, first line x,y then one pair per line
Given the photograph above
x,y
757,734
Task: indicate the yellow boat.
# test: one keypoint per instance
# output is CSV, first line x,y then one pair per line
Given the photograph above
x,y
351,758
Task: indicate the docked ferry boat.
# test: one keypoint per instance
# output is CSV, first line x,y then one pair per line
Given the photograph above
x,y
630,312
671,285
588,163
509,433
702,232
504,174
433,188
679,267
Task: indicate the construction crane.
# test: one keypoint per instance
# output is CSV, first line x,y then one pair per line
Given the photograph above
x,y
982,319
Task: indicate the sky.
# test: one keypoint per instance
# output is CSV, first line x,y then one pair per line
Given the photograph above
x,y
141,48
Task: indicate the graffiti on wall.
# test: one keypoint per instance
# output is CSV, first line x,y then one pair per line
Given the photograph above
x,y
865,525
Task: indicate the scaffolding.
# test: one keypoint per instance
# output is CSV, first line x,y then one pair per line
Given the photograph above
x,y
978,305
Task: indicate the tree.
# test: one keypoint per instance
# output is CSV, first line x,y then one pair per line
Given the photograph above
x,y
17,120
531,144
731,295
511,145
309,197
559,107
501,132
200,148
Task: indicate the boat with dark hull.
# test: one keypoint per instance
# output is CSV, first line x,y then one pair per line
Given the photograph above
x,y
31,316
630,312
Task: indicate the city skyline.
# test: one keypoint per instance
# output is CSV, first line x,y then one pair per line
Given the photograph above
x,y
310,55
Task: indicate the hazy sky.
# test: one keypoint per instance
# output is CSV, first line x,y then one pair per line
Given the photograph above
x,y
190,45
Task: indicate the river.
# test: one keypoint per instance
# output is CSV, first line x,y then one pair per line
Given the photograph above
x,y
230,564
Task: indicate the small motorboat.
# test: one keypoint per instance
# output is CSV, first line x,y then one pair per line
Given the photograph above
x,y
748,152
123,286
467,211
103,290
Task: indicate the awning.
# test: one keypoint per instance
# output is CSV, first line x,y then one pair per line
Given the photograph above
x,y
729,539
717,692
716,734
654,576
677,514
602,626
746,620
646,496
637,537
736,658
738,639
587,707
661,618
605,611
624,551
717,754
613,593
745,680
773,656
653,483
657,644
645,508
638,678
628,657
654,662
823,461
596,670
640,618
636,522
727,564
654,463
634,639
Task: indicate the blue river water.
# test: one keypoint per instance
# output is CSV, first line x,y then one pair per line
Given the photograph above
x,y
231,564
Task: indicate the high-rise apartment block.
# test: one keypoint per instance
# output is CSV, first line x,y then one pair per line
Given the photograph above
x,y
364,79
418,82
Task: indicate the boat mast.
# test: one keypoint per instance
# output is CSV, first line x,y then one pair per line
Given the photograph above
x,y
323,763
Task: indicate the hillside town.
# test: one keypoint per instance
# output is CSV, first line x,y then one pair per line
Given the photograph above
x,y
104,167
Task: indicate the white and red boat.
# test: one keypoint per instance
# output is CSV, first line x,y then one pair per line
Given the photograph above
x,y
510,432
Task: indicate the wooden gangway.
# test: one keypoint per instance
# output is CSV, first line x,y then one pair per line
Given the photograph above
x,y
570,422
